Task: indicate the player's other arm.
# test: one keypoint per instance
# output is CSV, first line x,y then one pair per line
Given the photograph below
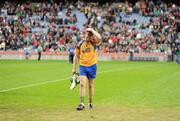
x,y
75,62
96,35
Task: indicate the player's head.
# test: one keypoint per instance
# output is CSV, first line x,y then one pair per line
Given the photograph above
x,y
89,35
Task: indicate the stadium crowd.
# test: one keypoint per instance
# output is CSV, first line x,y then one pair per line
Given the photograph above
x,y
34,24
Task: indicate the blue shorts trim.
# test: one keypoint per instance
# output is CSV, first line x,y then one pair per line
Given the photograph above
x,y
89,72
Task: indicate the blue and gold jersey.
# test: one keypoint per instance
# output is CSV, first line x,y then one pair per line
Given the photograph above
x,y
87,53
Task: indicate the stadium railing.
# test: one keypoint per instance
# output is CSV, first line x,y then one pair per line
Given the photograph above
x,y
14,55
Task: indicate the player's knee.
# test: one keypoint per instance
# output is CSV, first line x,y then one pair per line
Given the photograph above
x,y
90,85
82,85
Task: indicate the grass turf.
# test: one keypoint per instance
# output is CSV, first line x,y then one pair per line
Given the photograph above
x,y
124,91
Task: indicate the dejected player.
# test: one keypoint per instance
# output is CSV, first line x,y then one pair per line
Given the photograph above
x,y
86,54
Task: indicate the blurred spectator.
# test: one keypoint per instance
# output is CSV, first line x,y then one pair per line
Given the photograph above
x,y
55,25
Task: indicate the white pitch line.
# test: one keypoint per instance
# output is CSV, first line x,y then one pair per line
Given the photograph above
x,y
33,85
58,80
127,68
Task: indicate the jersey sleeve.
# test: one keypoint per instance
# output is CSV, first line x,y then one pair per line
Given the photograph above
x,y
77,49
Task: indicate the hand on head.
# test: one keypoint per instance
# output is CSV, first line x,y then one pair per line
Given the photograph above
x,y
89,30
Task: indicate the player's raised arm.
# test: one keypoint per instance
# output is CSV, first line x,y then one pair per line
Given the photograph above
x,y
96,35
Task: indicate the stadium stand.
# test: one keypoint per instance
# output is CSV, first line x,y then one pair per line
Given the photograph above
x,y
149,27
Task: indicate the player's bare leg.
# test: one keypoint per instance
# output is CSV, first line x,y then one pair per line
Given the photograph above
x,y
82,92
82,87
91,93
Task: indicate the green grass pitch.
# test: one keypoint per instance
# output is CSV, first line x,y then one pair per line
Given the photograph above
x,y
124,91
